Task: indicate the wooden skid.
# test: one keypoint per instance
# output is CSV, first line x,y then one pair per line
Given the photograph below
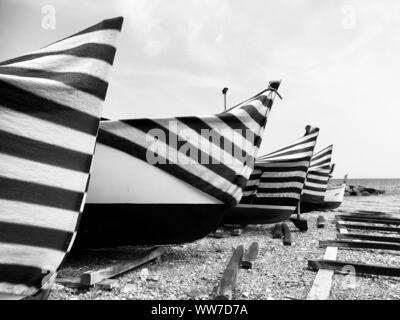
x,y
359,244
90,278
321,222
287,236
367,227
369,237
277,233
368,219
228,281
361,268
250,256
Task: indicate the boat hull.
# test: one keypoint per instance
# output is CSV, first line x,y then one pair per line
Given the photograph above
x,y
332,200
257,214
113,225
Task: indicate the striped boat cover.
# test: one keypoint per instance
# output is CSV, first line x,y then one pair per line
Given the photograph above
x,y
212,153
50,108
278,178
318,176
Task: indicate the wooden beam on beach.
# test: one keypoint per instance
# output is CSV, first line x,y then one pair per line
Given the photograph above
x,y
250,256
367,227
287,236
322,284
369,220
369,237
228,281
366,212
277,233
300,224
321,222
92,277
359,244
361,268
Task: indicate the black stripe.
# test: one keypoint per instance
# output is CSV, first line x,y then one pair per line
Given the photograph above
x,y
291,152
317,173
80,81
293,161
198,124
282,179
319,156
34,236
251,188
98,51
254,114
23,191
26,102
306,187
19,274
317,181
293,145
311,198
139,152
235,123
279,190
219,168
276,201
282,169
109,24
34,150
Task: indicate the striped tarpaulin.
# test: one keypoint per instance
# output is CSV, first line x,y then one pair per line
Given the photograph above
x,y
212,153
50,108
278,178
318,176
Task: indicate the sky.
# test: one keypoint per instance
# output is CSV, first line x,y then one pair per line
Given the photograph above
x,y
339,62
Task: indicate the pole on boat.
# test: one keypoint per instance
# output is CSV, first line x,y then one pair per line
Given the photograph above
x,y
345,178
224,91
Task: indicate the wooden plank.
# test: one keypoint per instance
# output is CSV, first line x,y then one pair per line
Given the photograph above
x,y
90,278
236,232
321,222
360,268
287,236
250,256
107,284
342,229
74,282
323,281
369,237
381,213
368,227
277,233
359,244
228,281
369,220
219,233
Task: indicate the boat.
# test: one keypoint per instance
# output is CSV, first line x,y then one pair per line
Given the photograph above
x,y
170,180
50,108
317,193
273,191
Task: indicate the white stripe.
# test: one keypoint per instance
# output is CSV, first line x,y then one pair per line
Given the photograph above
x,y
283,174
315,185
281,185
294,156
311,176
26,126
15,291
67,63
37,215
183,161
314,193
278,195
292,145
297,148
58,92
36,172
266,206
107,37
200,143
233,135
44,258
262,165
322,161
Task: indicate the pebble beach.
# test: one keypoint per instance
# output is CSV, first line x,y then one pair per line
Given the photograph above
x,y
192,270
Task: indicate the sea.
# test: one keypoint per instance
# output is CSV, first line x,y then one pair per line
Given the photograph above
x,y
389,202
